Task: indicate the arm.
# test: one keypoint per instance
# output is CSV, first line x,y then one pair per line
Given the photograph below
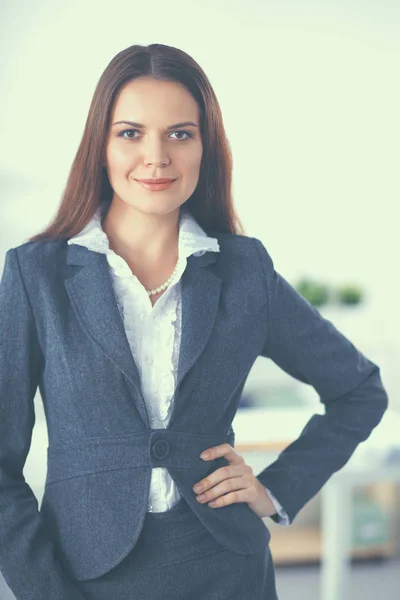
x,y
309,348
28,560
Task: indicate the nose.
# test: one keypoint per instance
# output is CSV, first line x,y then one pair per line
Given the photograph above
x,y
154,152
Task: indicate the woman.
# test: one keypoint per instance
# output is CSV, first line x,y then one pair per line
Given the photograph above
x,y
139,313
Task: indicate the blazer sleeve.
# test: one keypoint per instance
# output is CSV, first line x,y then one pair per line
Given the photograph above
x,y
28,560
309,348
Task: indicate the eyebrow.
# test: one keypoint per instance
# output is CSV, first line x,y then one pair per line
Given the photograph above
x,y
141,126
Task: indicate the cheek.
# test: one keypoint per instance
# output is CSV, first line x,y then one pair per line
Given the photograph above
x,y
191,164
194,171
189,158
118,157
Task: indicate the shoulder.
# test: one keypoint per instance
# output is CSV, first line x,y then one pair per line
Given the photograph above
x,y
248,246
41,248
36,256
234,242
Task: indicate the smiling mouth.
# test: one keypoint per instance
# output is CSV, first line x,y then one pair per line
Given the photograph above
x,y
156,181
155,187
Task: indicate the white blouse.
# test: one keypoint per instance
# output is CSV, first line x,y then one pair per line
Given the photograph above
x,y
154,334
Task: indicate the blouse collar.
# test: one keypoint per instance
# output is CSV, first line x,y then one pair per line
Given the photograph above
x,y
192,238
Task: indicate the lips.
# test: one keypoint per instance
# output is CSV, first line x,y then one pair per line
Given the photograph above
x,y
155,181
156,187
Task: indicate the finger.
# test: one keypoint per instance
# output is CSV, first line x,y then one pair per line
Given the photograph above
x,y
230,498
217,476
225,487
225,450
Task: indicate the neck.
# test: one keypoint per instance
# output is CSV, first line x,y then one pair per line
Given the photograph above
x,y
144,240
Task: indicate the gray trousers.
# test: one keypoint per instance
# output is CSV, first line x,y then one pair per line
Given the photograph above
x,y
176,558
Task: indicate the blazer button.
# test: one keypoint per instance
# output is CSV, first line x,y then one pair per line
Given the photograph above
x,y
160,449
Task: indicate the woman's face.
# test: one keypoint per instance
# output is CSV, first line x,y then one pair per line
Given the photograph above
x,y
155,147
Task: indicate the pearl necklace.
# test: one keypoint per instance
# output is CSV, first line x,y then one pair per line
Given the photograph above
x,y
165,285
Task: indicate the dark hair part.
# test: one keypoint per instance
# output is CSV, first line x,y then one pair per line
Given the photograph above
x,y
88,186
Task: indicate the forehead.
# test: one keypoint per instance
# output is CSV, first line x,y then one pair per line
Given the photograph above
x,y
147,96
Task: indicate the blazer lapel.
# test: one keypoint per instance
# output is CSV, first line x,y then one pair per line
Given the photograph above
x,y
89,285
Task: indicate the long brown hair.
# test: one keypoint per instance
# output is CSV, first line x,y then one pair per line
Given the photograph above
x,y
88,186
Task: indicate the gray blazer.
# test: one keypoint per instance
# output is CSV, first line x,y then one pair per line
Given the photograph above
x,y
61,330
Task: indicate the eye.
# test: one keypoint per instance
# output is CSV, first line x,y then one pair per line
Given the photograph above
x,y
185,132
121,134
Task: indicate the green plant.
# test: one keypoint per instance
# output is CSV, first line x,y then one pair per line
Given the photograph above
x,y
316,293
349,294
319,294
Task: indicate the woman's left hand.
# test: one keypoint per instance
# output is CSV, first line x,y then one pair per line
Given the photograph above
x,y
235,482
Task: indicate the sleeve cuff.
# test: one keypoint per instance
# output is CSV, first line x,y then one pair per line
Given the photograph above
x,y
282,518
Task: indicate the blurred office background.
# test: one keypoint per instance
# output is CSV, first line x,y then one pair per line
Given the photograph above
x,y
310,96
